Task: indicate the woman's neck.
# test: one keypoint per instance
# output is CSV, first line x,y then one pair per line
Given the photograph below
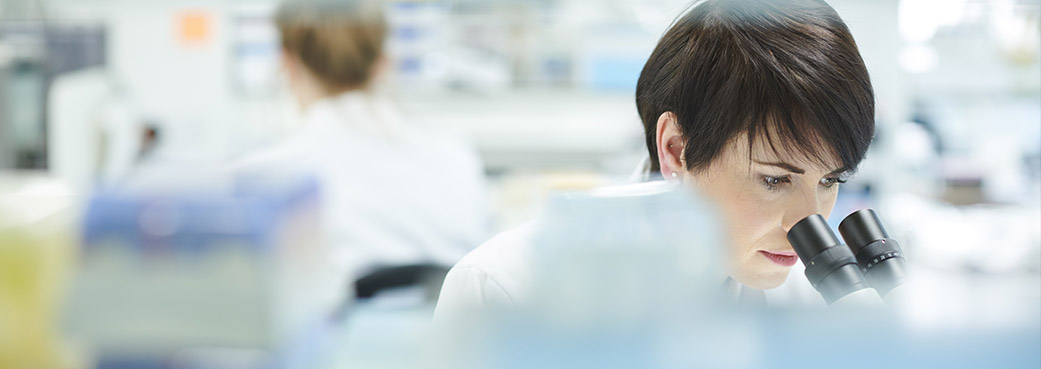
x,y
307,99
308,94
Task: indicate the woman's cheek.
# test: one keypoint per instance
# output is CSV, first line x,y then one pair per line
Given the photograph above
x,y
747,219
829,204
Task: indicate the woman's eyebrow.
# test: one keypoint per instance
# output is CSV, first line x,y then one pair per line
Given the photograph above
x,y
782,165
797,170
839,171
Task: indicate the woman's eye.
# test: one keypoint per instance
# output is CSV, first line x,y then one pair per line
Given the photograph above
x,y
773,183
831,182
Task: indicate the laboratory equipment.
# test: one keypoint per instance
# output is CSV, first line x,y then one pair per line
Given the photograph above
x,y
174,275
36,254
33,55
879,256
830,265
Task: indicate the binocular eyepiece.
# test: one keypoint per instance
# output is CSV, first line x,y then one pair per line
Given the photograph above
x,y
879,257
872,259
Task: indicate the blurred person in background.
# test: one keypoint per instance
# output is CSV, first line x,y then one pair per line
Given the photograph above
x,y
762,107
400,200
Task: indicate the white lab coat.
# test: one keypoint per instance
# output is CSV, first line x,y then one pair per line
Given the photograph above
x,y
498,273
392,193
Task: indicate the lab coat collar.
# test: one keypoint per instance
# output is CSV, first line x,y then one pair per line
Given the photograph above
x,y
361,111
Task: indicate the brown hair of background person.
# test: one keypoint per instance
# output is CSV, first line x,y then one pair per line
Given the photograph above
x,y
339,42
785,68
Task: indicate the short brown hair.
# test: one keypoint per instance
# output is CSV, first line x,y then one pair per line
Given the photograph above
x,y
340,42
784,67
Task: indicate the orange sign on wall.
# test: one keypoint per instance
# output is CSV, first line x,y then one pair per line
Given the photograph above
x,y
194,28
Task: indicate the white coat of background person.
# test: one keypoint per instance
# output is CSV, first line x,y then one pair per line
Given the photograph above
x,y
394,193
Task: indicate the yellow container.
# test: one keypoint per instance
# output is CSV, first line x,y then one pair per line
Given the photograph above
x,y
36,251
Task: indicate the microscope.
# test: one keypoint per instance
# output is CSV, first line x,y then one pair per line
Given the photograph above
x,y
868,271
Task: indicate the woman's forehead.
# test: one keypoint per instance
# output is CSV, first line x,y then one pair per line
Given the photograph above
x,y
810,156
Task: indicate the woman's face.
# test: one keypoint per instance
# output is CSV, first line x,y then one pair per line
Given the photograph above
x,y
762,196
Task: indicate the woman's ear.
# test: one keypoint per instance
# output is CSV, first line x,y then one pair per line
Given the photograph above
x,y
380,69
303,85
670,144
290,66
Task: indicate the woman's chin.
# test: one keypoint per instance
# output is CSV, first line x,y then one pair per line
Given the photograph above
x,y
765,281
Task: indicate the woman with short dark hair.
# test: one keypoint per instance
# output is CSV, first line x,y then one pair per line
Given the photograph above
x,y
762,106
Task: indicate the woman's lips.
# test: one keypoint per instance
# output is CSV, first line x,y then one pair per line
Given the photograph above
x,y
781,258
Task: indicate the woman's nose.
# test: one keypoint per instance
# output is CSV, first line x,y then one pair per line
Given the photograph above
x,y
800,207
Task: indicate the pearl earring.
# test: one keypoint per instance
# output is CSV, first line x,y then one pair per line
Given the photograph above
x,y
674,174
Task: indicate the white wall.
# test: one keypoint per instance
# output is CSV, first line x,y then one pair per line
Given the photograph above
x,y
186,86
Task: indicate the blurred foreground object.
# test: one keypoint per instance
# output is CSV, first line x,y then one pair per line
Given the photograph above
x,y
635,280
36,249
212,278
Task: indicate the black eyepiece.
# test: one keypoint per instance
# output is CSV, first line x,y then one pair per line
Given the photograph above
x,y
812,236
862,228
878,256
830,265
